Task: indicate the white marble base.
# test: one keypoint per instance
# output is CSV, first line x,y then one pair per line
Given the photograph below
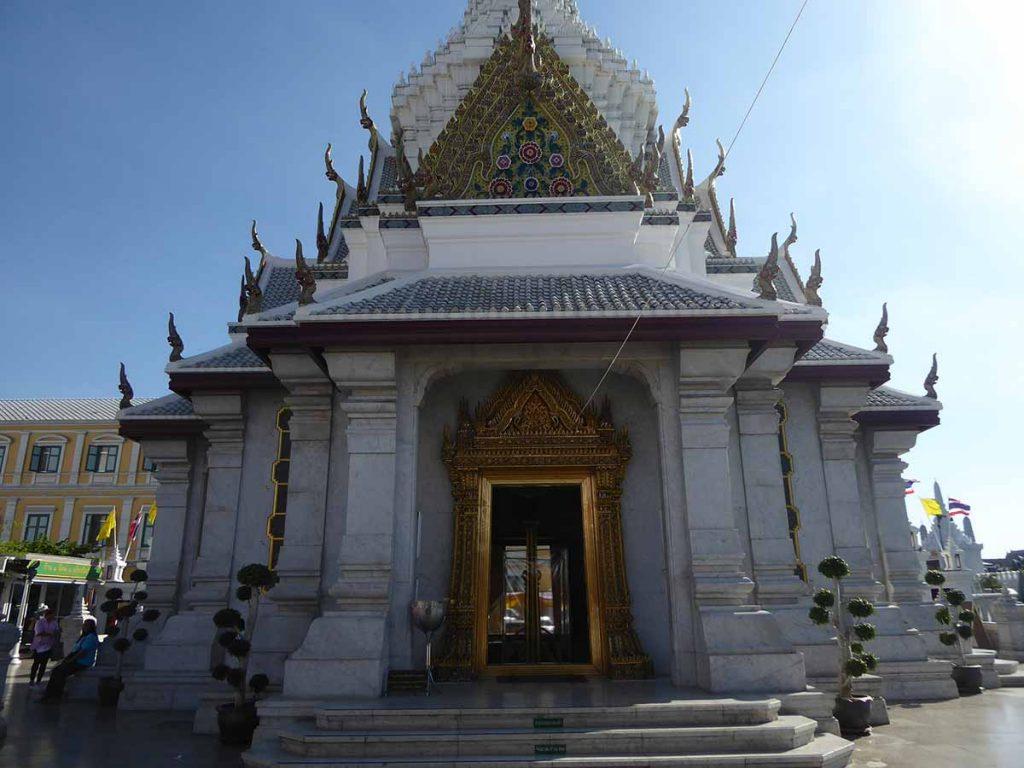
x,y
343,655
744,651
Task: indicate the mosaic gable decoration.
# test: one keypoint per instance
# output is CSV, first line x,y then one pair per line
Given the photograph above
x,y
521,134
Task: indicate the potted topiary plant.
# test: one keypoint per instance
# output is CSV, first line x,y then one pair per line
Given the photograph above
x,y
109,687
238,720
959,620
852,712
989,583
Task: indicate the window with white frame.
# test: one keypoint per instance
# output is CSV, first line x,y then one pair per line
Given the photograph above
x,y
91,525
45,458
146,537
101,458
37,526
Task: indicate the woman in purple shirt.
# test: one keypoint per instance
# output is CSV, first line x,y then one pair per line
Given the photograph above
x,y
43,641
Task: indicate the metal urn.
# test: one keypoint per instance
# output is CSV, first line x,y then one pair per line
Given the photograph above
x,y
428,616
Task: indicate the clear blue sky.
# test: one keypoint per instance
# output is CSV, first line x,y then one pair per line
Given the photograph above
x,y
138,139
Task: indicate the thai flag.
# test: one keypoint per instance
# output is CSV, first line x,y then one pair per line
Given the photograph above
x,y
908,486
957,507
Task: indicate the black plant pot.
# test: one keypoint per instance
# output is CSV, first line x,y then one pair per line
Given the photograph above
x,y
854,716
968,679
109,690
237,724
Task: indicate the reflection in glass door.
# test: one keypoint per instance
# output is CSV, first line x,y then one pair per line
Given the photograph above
x,y
537,610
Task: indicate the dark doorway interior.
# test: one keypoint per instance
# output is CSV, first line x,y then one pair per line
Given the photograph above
x,y
537,609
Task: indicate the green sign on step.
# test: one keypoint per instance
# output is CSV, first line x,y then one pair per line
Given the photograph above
x,y
549,749
548,722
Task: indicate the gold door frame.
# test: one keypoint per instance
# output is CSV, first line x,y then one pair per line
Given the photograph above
x,y
534,430
525,476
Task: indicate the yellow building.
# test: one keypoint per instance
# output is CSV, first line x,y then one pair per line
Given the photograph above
x,y
63,468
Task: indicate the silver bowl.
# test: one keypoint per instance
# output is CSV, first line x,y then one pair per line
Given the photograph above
x,y
428,615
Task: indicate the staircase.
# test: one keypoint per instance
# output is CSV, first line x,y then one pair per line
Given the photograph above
x,y
683,734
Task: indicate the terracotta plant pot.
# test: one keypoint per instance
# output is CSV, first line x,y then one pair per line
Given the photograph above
x,y
854,716
237,724
968,679
109,691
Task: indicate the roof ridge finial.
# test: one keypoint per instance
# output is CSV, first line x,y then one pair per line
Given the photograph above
x,y
257,244
689,191
125,388
882,331
732,235
243,299
304,276
253,292
530,77
362,193
720,164
321,237
932,379
814,281
770,271
684,117
174,339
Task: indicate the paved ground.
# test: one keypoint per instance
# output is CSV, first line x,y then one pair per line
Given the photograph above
x,y
984,731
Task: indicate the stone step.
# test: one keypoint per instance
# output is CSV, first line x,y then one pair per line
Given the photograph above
x,y
1006,666
1013,680
784,733
675,713
825,751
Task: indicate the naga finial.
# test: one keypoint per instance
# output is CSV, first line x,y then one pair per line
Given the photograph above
x,y
688,187
932,379
321,236
253,293
125,388
304,276
791,237
364,116
684,117
243,299
174,339
769,272
332,175
720,165
814,282
362,193
732,235
257,244
882,331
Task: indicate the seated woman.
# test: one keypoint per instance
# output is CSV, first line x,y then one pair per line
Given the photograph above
x,y
81,658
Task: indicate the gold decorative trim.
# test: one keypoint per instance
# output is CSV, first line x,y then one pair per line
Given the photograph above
x,y
279,477
464,160
534,429
792,512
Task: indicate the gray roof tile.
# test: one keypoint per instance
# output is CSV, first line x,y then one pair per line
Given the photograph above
x,y
552,294
887,397
828,351
234,356
63,409
174,406
281,288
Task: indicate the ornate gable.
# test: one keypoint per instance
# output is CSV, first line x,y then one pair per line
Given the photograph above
x,y
527,129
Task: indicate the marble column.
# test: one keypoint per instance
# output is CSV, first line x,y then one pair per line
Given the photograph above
x,y
837,431
772,554
739,646
904,574
173,476
211,581
346,649
285,619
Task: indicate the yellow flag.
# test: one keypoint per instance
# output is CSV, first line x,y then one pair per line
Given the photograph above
x,y
108,527
932,507
151,517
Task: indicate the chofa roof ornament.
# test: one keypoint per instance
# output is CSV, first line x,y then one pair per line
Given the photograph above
x,y
253,292
322,243
530,77
257,244
732,234
174,339
932,379
125,388
304,277
815,281
769,272
882,331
